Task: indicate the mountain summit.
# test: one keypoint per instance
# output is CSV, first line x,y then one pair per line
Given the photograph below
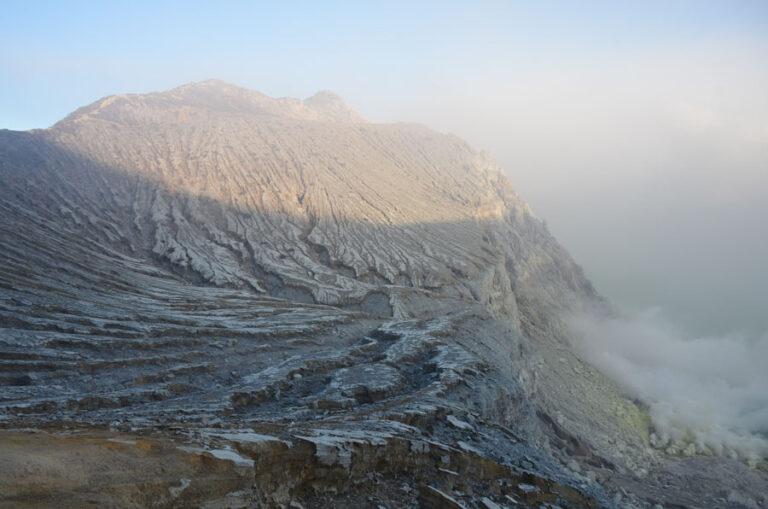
x,y
211,98
232,187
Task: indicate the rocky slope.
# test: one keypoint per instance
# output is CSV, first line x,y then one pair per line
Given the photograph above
x,y
291,305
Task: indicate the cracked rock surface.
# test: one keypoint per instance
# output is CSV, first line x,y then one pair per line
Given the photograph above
x,y
213,298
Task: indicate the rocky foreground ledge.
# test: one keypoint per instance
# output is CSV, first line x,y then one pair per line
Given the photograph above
x,y
388,465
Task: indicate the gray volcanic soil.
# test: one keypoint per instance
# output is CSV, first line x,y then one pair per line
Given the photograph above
x,y
210,297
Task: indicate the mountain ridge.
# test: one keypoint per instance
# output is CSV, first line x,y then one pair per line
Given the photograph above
x,y
212,97
375,162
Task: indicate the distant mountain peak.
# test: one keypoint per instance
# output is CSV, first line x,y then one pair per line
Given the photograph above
x,y
333,105
210,83
211,98
212,87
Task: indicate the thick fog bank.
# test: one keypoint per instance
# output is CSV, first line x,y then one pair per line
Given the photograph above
x,y
651,169
706,394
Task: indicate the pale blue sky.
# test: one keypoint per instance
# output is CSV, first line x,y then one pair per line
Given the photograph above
x,y
56,56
